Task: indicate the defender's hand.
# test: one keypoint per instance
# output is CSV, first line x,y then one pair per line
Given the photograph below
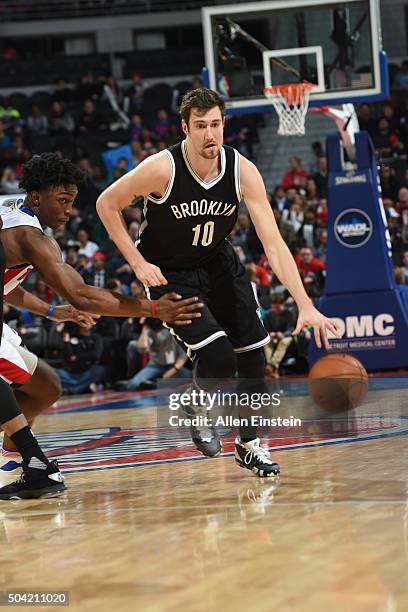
x,y
149,274
69,313
172,309
309,315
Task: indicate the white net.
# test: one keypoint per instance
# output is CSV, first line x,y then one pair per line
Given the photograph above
x,y
291,103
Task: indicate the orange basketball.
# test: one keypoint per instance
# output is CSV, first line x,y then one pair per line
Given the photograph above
x,y
338,382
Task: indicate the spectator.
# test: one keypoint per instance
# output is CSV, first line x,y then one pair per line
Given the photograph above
x,y
136,128
365,119
404,267
278,322
82,350
279,199
37,122
71,255
259,274
317,153
90,121
242,228
9,182
148,142
322,240
42,291
174,135
167,359
62,92
239,251
62,127
133,230
322,213
86,246
82,266
129,332
118,268
286,229
308,229
121,168
161,126
388,114
307,263
138,155
312,197
401,78
89,88
5,139
294,215
292,178
383,138
321,177
134,95
389,184
61,122
389,208
402,205
96,275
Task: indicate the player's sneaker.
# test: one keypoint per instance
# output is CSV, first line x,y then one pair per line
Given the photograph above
x,y
252,456
204,437
34,483
11,465
205,440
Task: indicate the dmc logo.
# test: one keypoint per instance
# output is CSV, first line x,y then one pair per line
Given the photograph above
x,y
365,326
353,228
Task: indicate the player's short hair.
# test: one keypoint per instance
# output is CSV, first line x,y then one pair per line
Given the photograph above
x,y
49,170
202,100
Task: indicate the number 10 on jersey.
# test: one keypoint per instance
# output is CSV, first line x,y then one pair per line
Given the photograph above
x,y
207,234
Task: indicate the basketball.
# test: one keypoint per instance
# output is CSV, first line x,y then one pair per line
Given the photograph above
x,y
338,382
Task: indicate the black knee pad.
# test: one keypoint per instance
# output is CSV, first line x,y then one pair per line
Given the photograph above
x,y
8,403
216,360
251,364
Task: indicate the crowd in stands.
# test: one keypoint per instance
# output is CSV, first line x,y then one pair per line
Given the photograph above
x,y
108,131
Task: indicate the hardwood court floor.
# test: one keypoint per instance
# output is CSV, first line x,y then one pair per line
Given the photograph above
x,y
177,532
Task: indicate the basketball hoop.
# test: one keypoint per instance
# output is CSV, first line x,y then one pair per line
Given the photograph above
x,y
291,103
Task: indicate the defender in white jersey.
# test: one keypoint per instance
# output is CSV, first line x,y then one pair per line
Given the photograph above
x,y
51,185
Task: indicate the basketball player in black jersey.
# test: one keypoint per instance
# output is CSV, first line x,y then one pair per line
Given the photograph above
x,y
191,196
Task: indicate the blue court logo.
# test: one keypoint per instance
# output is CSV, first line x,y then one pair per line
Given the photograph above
x,y
353,228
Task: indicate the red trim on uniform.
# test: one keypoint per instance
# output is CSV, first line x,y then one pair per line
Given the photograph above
x,y
153,303
13,372
19,273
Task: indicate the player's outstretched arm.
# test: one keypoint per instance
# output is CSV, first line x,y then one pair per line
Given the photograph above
x,y
278,254
20,298
151,176
45,255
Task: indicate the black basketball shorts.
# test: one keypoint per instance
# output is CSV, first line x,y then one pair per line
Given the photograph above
x,y
230,305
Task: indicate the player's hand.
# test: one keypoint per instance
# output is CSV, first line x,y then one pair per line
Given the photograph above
x,y
69,313
149,274
309,315
172,309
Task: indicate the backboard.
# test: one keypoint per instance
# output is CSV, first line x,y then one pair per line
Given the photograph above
x,y
334,45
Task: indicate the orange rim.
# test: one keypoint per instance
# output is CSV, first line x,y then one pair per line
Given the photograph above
x,y
293,93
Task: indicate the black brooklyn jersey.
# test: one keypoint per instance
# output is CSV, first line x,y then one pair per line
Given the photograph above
x,y
188,225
